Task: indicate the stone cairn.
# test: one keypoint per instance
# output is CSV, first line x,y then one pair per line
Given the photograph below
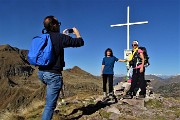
x,y
122,88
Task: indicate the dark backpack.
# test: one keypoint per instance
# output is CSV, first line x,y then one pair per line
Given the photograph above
x,y
146,58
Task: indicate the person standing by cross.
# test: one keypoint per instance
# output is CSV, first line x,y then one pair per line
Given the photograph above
x,y
138,80
107,73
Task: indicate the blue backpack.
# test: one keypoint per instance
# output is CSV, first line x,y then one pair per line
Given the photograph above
x,y
41,51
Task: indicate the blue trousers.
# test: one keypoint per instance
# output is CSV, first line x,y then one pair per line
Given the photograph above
x,y
53,84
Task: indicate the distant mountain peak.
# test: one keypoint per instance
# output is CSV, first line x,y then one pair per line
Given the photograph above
x,y
76,68
77,71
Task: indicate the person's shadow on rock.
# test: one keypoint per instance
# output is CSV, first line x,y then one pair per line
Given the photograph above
x,y
90,109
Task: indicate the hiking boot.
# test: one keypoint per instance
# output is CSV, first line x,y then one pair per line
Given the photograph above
x,y
111,94
128,96
113,98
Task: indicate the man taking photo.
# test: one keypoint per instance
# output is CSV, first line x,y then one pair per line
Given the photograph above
x,y
51,75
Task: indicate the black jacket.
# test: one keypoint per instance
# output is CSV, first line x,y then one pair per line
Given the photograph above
x,y
61,41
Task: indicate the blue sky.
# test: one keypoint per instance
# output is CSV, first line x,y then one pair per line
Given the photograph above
x,y
21,20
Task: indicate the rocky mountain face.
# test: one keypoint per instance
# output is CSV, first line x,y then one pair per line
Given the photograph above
x,y
17,82
13,62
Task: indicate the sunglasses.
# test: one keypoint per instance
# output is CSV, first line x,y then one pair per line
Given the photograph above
x,y
134,45
58,23
54,21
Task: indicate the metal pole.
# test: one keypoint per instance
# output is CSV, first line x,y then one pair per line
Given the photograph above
x,y
128,28
127,63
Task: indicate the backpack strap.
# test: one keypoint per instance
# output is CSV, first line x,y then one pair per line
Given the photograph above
x,y
132,55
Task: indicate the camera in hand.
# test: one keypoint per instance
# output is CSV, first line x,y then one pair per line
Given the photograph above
x,y
70,30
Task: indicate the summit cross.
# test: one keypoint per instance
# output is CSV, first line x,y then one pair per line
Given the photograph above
x,y
128,25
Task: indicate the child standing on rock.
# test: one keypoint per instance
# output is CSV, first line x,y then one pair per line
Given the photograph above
x,y
107,72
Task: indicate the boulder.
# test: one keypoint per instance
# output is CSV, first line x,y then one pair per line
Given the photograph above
x,y
135,102
113,110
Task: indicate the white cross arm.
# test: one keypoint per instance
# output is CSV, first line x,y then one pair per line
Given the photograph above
x,y
118,25
126,24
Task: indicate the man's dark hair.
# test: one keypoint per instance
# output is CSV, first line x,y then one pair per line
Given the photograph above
x,y
110,50
51,24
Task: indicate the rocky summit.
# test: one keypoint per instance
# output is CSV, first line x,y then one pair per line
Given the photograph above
x,y
22,95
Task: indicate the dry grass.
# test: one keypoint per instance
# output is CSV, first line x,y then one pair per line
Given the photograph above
x,y
31,108
32,112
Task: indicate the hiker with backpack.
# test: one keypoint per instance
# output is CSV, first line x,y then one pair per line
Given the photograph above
x,y
138,60
47,52
107,73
